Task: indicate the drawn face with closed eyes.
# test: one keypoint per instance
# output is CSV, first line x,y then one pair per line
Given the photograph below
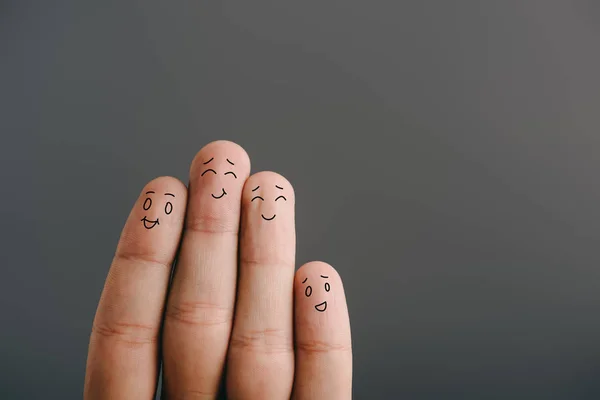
x,y
168,208
278,197
308,291
211,171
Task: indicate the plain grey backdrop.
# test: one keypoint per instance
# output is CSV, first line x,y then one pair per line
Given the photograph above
x,y
445,156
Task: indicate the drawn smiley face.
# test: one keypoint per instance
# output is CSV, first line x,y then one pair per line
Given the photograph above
x,y
168,209
308,291
210,170
258,197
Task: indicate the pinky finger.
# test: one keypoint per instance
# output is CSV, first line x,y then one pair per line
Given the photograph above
x,y
322,331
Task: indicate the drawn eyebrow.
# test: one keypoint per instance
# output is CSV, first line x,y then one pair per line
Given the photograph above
x,y
278,187
150,191
169,194
208,161
229,161
211,170
255,188
304,280
323,276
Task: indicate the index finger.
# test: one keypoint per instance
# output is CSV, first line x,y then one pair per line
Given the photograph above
x,y
123,353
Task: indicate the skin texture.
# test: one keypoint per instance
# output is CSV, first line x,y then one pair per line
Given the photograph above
x,y
236,320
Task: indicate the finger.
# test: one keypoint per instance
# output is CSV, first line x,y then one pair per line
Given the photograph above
x,y
261,359
199,311
322,329
123,352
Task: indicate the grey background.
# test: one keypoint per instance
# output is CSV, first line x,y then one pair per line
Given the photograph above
x,y
444,154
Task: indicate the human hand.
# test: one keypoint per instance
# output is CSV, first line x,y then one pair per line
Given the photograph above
x,y
241,315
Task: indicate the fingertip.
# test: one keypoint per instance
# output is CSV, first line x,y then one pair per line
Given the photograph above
x,y
317,268
268,183
268,219
165,192
318,287
167,184
224,153
322,270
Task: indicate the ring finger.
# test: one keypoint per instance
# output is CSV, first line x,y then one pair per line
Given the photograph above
x,y
261,357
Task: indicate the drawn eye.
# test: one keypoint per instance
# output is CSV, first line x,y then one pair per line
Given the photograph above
x,y
327,287
257,197
232,173
308,291
168,208
147,203
281,197
211,170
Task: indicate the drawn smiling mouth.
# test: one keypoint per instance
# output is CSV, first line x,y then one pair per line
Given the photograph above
x,y
148,224
321,307
268,219
221,195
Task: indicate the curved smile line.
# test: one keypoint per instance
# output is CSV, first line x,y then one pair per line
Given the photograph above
x,y
221,195
268,219
148,224
321,307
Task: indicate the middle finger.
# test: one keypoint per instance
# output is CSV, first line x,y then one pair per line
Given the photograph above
x,y
199,311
